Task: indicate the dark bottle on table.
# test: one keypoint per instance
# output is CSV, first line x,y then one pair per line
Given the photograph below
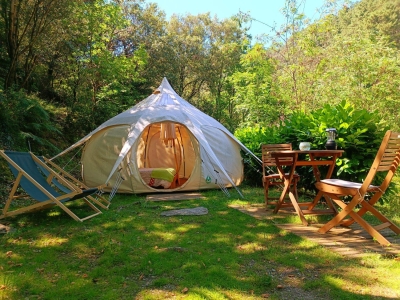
x,y
331,135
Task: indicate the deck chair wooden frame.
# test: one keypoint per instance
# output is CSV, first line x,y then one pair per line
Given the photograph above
x,y
387,160
271,177
96,198
39,188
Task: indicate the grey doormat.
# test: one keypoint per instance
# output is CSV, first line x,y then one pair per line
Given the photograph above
x,y
174,197
197,211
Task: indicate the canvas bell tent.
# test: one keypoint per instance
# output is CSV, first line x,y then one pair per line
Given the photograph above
x,y
162,144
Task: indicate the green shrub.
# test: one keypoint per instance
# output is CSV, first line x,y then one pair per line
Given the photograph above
x,y
360,133
25,123
8,126
253,138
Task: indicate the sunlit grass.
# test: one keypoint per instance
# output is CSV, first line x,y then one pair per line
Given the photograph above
x,y
132,252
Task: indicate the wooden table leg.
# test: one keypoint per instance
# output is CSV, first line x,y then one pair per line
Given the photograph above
x,y
293,199
298,209
279,203
320,194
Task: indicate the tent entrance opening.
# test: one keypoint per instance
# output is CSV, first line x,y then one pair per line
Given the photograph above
x,y
165,156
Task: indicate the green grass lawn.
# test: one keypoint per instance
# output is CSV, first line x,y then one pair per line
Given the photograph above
x,y
132,252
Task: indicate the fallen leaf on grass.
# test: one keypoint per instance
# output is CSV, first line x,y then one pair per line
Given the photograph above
x,y
265,295
2,287
9,253
185,290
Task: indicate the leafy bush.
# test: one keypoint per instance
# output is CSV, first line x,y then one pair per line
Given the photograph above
x,y
253,138
25,123
8,126
360,133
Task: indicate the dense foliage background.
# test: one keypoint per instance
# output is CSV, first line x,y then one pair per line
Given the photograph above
x,y
67,66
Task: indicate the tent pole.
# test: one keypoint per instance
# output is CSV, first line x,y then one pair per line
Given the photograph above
x,y
176,178
145,146
182,153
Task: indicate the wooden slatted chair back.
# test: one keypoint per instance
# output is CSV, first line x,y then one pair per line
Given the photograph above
x,y
270,174
391,156
387,159
269,161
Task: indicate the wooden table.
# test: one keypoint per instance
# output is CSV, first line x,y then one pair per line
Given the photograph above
x,y
296,158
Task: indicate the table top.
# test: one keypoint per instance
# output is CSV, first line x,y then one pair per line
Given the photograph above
x,y
287,157
315,153
325,152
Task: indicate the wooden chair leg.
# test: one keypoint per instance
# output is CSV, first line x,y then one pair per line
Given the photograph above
x,y
370,229
373,231
386,223
295,188
266,192
363,209
340,216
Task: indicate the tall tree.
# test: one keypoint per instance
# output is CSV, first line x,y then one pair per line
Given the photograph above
x,y
97,71
197,54
252,85
227,41
145,30
329,62
377,17
26,23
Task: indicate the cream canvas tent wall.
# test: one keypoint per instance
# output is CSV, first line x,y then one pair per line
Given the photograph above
x,y
162,131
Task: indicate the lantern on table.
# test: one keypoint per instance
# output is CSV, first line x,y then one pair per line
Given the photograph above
x,y
331,134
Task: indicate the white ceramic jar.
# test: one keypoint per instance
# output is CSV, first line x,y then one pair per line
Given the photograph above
x,y
304,146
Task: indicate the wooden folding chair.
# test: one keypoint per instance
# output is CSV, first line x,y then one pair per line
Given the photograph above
x,y
41,187
365,194
271,176
96,197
